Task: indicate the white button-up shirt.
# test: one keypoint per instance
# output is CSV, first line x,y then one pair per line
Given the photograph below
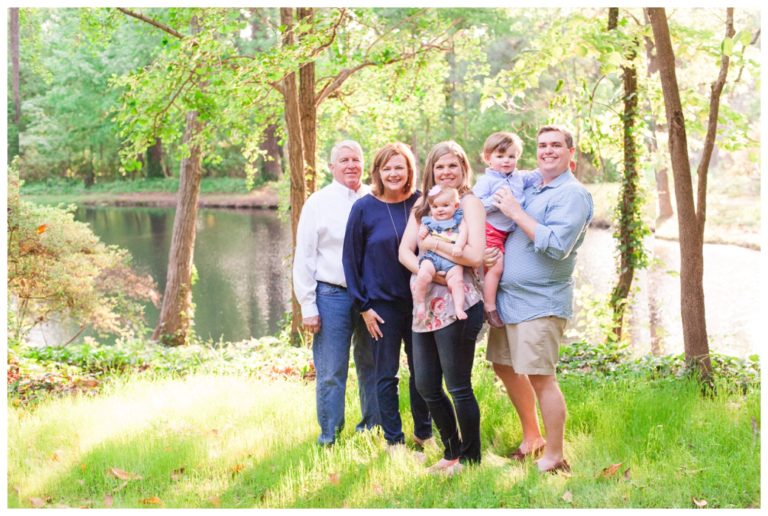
x,y
320,242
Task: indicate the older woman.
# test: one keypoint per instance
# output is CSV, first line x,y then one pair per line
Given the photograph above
x,y
379,285
444,346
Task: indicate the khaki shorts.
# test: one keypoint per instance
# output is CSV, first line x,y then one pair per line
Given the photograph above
x,y
530,347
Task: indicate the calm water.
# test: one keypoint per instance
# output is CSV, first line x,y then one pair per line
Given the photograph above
x,y
243,290
241,257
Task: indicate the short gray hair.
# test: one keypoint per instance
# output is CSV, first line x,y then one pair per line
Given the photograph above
x,y
349,144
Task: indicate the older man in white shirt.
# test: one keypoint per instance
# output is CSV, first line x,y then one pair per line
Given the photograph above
x,y
326,308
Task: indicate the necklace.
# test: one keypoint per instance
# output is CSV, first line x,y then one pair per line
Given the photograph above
x,y
392,220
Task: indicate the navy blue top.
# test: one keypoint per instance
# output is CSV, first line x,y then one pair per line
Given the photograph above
x,y
371,265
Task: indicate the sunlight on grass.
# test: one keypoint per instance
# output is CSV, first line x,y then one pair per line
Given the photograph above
x,y
233,441
233,419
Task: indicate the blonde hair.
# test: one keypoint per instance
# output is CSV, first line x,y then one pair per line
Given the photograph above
x,y
428,173
439,191
500,142
383,156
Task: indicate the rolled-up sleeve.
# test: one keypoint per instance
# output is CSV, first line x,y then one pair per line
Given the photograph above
x,y
566,219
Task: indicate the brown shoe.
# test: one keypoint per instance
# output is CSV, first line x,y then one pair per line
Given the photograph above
x,y
493,319
520,456
561,466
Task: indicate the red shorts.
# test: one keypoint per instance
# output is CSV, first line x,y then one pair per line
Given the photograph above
x,y
495,237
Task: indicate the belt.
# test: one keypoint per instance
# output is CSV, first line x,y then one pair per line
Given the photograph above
x,y
332,285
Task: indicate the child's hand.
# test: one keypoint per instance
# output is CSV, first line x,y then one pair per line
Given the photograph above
x,y
456,250
423,232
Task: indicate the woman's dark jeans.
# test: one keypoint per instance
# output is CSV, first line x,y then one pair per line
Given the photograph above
x,y
386,352
449,353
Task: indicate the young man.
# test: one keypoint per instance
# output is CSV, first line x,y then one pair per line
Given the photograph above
x,y
321,289
536,293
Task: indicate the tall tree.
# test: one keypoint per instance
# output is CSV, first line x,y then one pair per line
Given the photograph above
x,y
176,312
691,217
296,153
631,230
661,174
15,79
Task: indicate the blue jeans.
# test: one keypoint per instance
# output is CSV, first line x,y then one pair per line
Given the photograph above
x,y
448,353
339,322
396,328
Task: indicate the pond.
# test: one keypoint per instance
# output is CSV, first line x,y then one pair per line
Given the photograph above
x,y
242,259
243,263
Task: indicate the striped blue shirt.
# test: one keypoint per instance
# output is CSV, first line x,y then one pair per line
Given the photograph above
x,y
537,279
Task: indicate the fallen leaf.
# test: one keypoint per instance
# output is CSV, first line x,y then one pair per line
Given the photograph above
x,y
56,457
152,500
41,228
378,489
333,478
123,475
237,468
699,503
627,476
215,501
108,501
83,467
176,474
37,502
568,497
610,470
755,429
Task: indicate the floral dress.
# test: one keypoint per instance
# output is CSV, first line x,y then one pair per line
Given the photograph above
x,y
441,311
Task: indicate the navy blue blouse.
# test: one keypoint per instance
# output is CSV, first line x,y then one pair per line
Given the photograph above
x,y
371,266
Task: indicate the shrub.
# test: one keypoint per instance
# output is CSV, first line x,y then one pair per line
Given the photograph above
x,y
58,267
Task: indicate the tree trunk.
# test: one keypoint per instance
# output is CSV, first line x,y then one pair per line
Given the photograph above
x,y
16,80
176,313
664,206
295,158
691,242
272,168
308,111
154,160
629,212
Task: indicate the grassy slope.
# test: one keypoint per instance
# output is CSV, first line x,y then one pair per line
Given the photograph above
x,y
250,443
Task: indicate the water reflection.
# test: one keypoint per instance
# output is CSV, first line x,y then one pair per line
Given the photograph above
x,y
241,258
243,290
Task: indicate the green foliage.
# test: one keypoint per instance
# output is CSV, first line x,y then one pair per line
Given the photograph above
x,y
57,268
610,361
38,372
233,440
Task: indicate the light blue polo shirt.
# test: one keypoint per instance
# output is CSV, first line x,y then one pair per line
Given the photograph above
x,y
538,275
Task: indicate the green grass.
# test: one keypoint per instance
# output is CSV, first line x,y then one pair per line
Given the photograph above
x,y
245,442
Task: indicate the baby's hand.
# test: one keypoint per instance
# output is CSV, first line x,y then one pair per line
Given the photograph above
x,y
456,250
423,232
